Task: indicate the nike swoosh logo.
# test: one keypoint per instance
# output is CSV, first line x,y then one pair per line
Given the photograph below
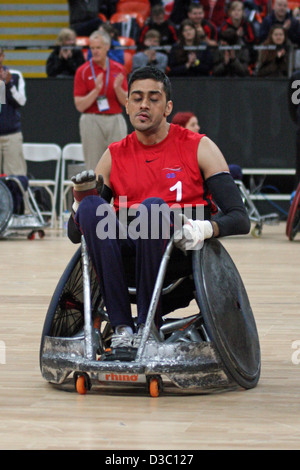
x,y
149,161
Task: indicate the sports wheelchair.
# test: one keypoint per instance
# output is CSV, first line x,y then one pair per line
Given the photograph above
x,y
293,220
12,220
211,350
255,217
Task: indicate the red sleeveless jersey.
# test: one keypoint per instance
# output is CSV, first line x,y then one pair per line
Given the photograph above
x,y
168,170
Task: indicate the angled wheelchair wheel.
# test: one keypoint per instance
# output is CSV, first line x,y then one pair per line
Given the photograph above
x,y
6,206
293,221
227,313
65,315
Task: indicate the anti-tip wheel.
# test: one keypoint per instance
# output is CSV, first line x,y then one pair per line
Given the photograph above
x,y
155,386
257,231
82,384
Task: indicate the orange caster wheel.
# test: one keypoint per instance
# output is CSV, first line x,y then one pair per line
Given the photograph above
x,y
41,233
155,386
82,383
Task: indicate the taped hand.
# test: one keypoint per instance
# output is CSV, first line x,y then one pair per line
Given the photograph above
x,y
86,184
193,234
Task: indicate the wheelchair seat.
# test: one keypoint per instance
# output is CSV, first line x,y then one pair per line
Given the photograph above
x,y
215,348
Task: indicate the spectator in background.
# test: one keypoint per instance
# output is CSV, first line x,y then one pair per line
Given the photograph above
x,y
231,62
260,6
107,7
128,29
12,161
188,120
214,11
281,15
274,63
179,12
149,56
114,54
296,13
205,28
237,22
165,28
100,91
65,59
184,62
84,16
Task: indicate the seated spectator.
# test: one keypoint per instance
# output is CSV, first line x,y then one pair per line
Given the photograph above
x,y
188,120
283,16
214,11
114,54
259,6
84,16
296,13
237,22
184,62
179,12
128,29
148,55
231,62
205,28
274,63
165,28
65,58
107,7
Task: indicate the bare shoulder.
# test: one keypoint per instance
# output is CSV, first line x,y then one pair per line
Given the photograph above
x,y
210,158
104,166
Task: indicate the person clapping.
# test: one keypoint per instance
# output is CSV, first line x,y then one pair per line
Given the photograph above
x,y
65,59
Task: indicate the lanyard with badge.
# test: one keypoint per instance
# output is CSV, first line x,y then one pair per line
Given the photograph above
x,y
102,101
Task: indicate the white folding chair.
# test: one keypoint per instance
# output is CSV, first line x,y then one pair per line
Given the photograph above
x,y
70,152
42,153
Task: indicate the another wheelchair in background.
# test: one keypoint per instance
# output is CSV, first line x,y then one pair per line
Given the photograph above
x,y
19,211
293,221
254,215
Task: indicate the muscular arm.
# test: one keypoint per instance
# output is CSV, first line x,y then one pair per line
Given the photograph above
x,y
234,219
104,167
210,158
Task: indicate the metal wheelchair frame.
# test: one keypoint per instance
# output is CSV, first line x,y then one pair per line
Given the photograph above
x,y
32,219
188,359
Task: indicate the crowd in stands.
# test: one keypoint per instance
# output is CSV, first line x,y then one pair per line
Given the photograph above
x,y
219,38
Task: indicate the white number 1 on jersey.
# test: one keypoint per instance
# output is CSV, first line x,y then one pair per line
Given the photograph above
x,y
178,188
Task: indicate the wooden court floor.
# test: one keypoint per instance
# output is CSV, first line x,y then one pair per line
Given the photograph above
x,y
35,415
